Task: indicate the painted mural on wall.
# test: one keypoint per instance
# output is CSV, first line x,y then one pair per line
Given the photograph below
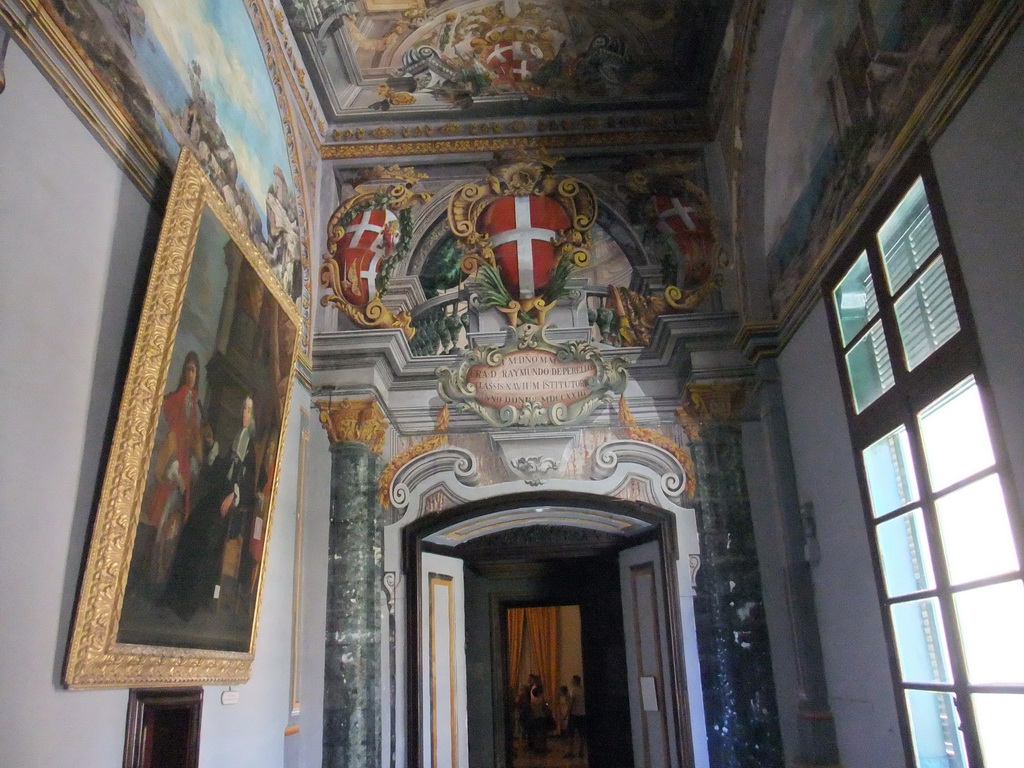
x,y
522,239
424,52
193,75
850,75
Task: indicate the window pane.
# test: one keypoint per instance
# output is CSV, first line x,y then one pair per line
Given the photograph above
x,y
855,300
920,642
956,442
935,730
999,717
976,535
890,471
926,315
908,237
869,368
991,621
906,559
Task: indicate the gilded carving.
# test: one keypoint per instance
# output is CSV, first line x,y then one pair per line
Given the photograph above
x,y
359,421
715,401
655,438
95,657
520,275
403,458
367,237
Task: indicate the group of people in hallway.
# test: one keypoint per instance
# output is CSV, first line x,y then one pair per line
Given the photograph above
x,y
538,720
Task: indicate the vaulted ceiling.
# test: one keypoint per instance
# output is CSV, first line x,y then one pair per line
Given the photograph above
x,y
466,60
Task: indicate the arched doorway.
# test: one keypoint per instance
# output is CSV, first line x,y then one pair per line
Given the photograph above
x,y
626,555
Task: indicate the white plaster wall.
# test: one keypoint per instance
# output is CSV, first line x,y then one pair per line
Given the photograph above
x,y
72,228
849,618
978,161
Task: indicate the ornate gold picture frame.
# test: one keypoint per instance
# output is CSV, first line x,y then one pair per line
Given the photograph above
x,y
171,591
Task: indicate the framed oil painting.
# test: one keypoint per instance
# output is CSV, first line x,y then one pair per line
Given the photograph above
x,y
171,590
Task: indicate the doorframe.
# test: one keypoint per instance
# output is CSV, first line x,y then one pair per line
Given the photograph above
x,y
413,546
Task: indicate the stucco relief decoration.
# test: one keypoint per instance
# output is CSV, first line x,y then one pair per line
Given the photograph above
x,y
524,230
530,381
367,237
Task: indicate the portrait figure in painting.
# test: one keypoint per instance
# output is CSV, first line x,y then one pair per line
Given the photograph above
x,y
225,503
198,552
178,455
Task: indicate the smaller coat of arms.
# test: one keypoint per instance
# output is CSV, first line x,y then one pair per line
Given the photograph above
x,y
367,237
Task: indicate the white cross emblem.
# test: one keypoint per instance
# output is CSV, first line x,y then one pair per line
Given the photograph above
x,y
683,212
363,225
680,210
523,236
498,54
522,70
370,275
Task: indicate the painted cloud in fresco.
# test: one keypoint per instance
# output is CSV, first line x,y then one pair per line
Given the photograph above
x,y
193,74
218,35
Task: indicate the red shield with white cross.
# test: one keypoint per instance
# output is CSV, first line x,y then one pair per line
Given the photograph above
x,y
514,60
690,232
368,240
522,230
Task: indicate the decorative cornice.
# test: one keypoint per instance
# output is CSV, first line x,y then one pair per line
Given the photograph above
x,y
344,151
354,421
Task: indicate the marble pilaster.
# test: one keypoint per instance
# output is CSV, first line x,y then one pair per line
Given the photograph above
x,y
732,636
352,675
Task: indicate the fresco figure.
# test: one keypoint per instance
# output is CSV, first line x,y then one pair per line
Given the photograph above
x,y
176,461
226,495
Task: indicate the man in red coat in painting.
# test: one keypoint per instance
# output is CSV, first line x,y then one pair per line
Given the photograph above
x,y
176,460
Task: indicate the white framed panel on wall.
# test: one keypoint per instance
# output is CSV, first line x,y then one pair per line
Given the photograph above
x,y
444,741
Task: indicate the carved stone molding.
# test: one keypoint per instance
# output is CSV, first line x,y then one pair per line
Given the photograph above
x,y
360,421
694,567
416,473
661,463
533,456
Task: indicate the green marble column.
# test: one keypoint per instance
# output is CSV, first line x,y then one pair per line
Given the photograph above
x,y
352,676
732,636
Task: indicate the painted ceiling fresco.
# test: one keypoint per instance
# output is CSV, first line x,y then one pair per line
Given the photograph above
x,y
194,75
424,57
850,76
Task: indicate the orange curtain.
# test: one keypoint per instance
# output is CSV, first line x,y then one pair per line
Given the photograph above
x,y
542,626
516,620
